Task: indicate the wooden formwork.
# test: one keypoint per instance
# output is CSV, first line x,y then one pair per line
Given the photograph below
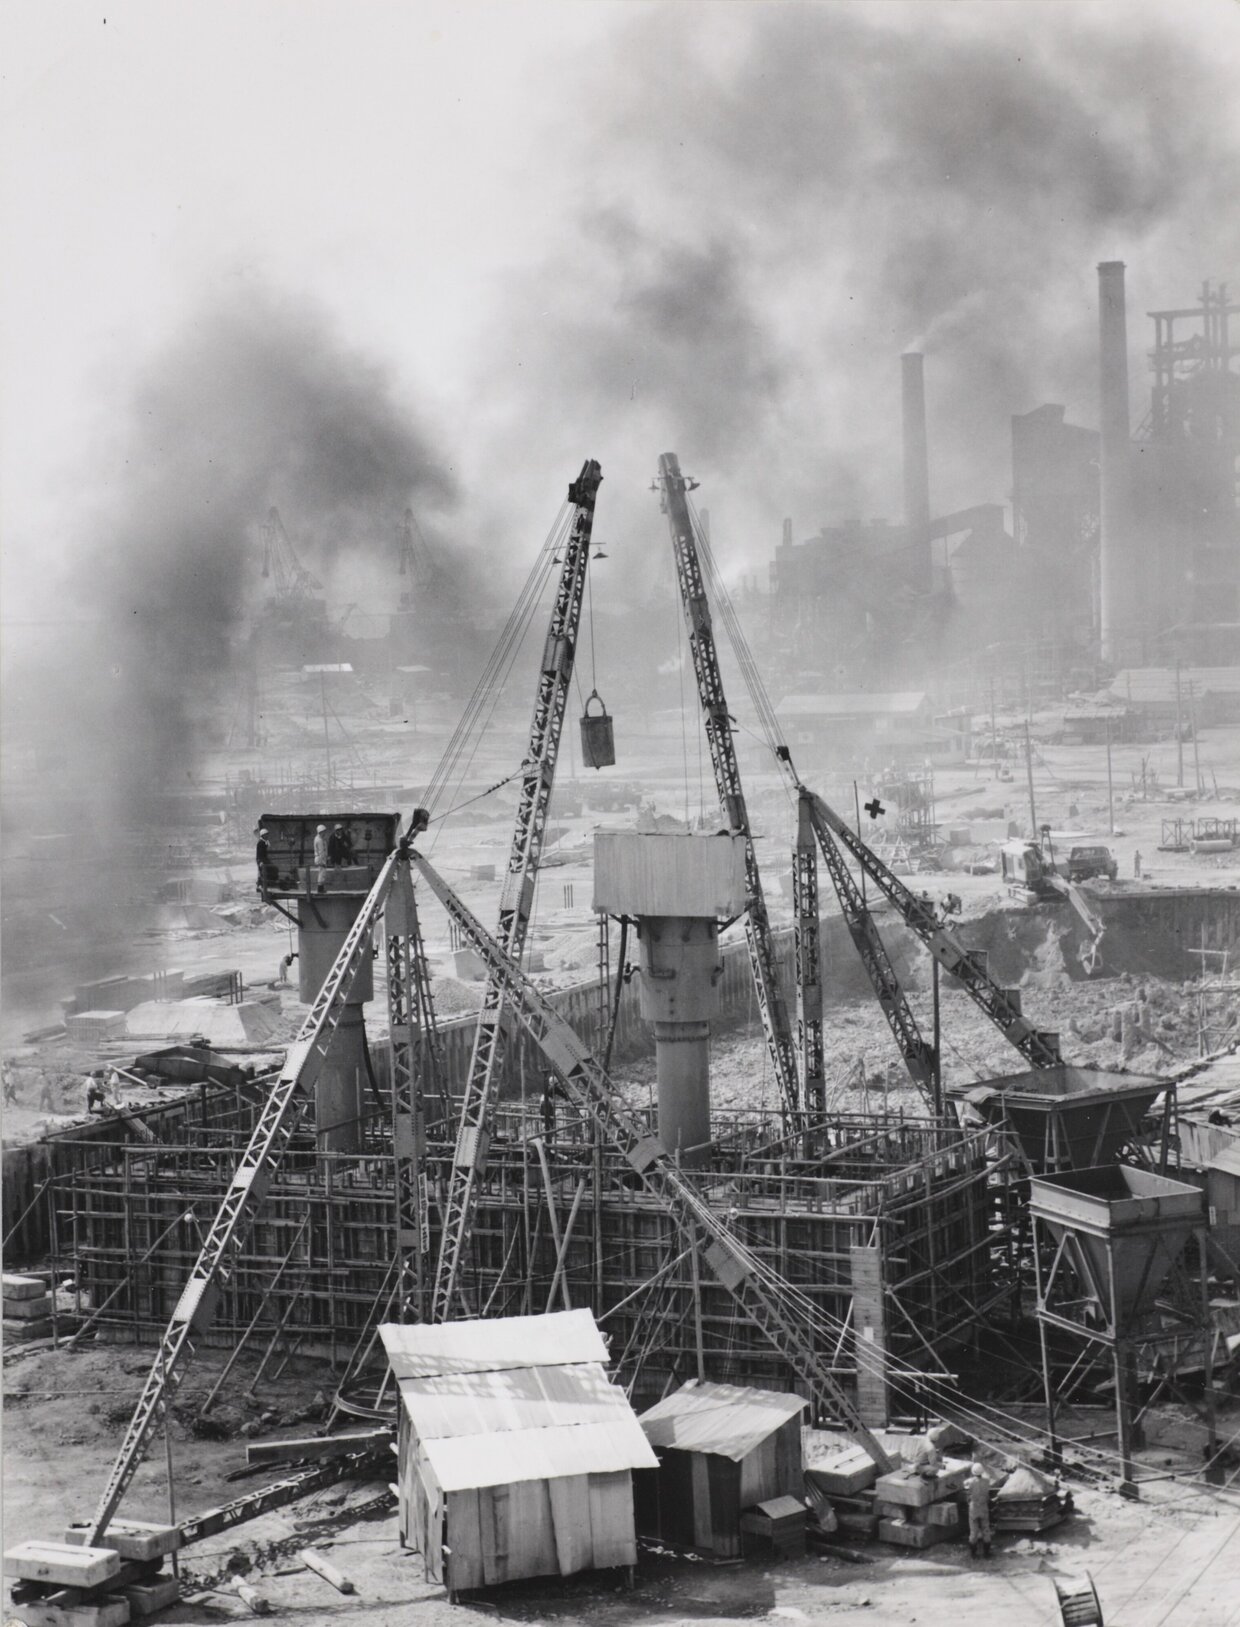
x,y
561,1221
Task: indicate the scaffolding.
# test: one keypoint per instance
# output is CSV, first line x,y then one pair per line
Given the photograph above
x,y
561,1222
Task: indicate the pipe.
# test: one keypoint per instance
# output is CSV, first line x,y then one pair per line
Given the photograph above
x,y
1120,573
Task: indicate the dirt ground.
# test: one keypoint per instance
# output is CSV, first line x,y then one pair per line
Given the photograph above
x,y
1170,1560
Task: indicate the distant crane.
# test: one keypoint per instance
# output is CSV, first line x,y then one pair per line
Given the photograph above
x,y
281,564
416,560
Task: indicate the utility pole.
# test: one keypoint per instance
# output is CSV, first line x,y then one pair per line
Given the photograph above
x,y
1179,731
994,733
1192,723
1033,816
327,739
1110,784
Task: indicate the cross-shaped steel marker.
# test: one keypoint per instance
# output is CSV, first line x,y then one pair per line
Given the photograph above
x,y
874,808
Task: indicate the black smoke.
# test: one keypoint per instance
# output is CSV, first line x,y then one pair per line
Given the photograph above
x,y
776,201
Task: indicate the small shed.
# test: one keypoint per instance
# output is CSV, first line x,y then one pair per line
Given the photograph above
x,y
515,1451
722,1448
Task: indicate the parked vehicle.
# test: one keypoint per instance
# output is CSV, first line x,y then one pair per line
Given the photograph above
x,y
1085,863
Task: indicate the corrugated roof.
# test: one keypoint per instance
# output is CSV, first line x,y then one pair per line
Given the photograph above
x,y
521,1398
424,1350
726,1419
539,1454
862,704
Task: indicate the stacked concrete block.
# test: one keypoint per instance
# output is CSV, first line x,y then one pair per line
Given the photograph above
x,y
27,1308
915,1511
75,1584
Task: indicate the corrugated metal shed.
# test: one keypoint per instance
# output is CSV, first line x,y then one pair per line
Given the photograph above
x,y
425,1350
729,1420
861,704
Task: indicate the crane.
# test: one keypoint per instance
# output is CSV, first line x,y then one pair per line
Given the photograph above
x,y
517,897
918,1054
769,1301
1001,1005
416,559
280,562
674,488
278,1119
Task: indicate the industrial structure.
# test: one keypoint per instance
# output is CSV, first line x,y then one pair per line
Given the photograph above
x,y
387,1210
1123,549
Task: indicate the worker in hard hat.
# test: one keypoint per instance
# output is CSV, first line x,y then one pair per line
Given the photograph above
x,y
262,857
320,854
977,1490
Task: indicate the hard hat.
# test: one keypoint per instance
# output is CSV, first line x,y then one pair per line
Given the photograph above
x,y
262,832
322,827
977,1469
339,827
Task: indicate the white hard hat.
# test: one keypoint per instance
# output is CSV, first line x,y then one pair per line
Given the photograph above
x,y
322,827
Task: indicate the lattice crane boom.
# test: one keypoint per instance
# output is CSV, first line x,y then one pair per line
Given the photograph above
x,y
772,1006
280,561
517,897
919,915
277,1121
768,1301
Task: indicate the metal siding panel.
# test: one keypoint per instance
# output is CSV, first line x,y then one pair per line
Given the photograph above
x,y
538,1454
522,1398
648,874
725,1506
703,1530
570,1519
729,1419
613,1539
561,1338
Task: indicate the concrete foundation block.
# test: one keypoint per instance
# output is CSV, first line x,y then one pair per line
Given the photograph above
x,y
132,1539
62,1563
908,1536
908,1491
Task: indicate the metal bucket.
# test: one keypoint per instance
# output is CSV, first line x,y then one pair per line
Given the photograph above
x,y
598,739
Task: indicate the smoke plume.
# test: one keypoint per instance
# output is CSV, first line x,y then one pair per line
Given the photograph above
x,y
773,207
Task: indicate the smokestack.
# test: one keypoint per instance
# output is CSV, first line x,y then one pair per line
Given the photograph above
x,y
916,466
1120,568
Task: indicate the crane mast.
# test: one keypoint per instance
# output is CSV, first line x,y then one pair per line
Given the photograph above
x,y
517,897
416,1072
776,1025
274,1128
768,1300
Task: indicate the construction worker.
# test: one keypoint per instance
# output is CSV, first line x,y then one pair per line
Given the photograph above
x,y
977,1490
262,857
1136,864
96,1093
320,853
335,846
10,1084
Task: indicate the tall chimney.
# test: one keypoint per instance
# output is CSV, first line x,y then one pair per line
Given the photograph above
x,y
916,467
1120,612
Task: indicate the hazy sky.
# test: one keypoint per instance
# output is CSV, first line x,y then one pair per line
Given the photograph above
x,y
561,230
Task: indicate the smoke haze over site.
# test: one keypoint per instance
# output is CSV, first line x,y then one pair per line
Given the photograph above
x,y
711,231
